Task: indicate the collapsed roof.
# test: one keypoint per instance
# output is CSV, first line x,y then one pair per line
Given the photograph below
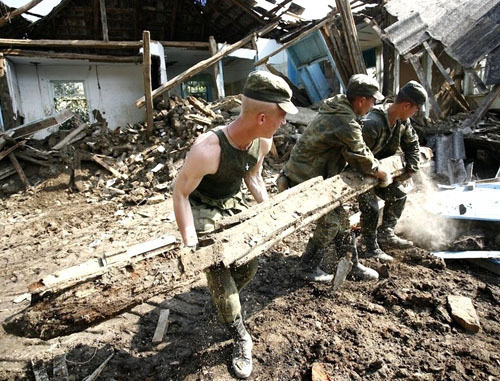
x,y
468,29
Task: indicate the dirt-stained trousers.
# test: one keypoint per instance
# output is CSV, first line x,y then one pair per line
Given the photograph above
x,y
224,283
395,199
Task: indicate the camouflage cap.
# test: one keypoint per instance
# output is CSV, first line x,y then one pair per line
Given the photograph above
x,y
365,86
264,86
415,92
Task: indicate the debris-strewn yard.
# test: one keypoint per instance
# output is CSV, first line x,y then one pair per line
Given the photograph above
x,y
398,327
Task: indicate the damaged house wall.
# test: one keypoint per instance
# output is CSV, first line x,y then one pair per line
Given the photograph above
x,y
109,88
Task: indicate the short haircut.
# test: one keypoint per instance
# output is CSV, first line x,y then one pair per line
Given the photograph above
x,y
401,98
352,97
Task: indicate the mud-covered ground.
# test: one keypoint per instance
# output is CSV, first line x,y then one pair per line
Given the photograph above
x,y
395,328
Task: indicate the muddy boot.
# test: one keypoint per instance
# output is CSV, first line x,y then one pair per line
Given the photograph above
x,y
373,250
309,269
388,239
363,273
315,275
242,348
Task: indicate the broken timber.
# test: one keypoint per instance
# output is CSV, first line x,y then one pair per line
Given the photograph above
x,y
79,301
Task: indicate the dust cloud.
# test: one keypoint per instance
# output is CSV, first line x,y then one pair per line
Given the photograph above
x,y
420,222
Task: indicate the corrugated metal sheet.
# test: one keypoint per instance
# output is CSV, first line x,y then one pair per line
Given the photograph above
x,y
469,29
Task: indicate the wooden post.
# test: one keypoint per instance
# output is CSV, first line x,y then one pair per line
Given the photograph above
x,y
213,51
146,59
202,65
423,80
104,21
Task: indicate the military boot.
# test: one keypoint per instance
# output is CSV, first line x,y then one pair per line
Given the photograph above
x,y
309,269
363,273
242,348
388,239
373,250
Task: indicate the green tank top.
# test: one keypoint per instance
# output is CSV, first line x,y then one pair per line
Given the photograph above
x,y
234,165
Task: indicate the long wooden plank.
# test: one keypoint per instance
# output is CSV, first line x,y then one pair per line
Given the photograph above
x,y
96,266
71,56
94,44
202,65
41,124
60,311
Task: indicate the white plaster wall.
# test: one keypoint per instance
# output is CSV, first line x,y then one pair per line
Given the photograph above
x,y
110,88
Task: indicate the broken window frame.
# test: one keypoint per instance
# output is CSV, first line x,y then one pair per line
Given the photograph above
x,y
81,112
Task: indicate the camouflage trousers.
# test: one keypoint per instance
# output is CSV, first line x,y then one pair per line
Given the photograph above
x,y
395,199
224,283
334,228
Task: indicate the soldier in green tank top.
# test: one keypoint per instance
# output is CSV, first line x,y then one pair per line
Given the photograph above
x,y
208,189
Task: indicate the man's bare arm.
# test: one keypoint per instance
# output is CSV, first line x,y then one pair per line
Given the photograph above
x,y
253,179
203,159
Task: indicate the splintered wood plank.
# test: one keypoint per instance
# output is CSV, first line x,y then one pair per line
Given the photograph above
x,y
60,311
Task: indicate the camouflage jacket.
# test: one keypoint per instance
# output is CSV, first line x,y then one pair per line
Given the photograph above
x,y
331,140
385,141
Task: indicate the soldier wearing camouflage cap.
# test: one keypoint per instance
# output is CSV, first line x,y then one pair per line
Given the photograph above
x,y
386,129
332,140
208,188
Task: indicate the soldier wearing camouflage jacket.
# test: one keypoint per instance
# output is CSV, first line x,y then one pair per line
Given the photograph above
x,y
332,140
386,130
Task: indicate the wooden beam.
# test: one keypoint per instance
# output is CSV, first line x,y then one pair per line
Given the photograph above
x,y
40,124
146,60
202,65
71,56
454,91
213,52
9,16
293,41
186,44
95,14
94,44
8,151
19,170
473,120
351,37
273,11
104,20
294,209
423,80
70,136
173,18
248,11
